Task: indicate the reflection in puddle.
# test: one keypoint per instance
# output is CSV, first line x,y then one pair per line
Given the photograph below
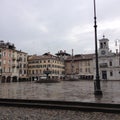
x,y
69,91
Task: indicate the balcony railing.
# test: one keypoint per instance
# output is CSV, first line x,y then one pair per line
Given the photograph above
x,y
103,65
14,59
18,59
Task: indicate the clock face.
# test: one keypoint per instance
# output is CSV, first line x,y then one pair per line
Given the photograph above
x,y
103,52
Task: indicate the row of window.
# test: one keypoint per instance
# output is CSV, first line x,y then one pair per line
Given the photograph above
x,y
85,63
87,70
20,59
45,61
14,58
20,65
45,66
9,70
110,73
42,72
22,71
10,54
106,65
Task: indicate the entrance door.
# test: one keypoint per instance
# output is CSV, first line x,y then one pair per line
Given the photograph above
x,y
104,75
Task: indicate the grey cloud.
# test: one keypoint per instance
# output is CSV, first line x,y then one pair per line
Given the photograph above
x,y
37,26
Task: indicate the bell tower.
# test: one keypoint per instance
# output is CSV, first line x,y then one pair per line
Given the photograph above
x,y
103,46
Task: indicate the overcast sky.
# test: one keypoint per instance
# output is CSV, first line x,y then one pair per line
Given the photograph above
x,y
39,26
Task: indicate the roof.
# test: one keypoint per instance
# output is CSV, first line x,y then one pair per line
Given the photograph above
x,y
80,57
48,54
104,39
42,57
62,53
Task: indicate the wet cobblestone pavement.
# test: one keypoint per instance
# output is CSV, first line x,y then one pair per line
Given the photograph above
x,y
68,91
65,90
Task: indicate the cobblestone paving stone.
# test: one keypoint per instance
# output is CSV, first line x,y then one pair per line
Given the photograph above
x,y
13,113
75,91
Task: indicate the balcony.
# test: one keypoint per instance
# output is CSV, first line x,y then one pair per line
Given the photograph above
x,y
13,66
18,59
103,65
13,59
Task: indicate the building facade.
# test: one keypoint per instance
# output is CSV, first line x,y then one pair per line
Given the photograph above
x,y
16,65
81,66
10,63
19,65
109,62
38,65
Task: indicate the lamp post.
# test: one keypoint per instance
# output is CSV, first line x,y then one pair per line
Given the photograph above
x,y
97,88
1,75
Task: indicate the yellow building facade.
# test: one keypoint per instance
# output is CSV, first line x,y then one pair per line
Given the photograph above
x,y
38,65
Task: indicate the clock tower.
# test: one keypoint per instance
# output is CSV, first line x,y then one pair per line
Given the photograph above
x,y
103,46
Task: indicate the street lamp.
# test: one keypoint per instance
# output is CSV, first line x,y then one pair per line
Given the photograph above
x,y
97,88
1,75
